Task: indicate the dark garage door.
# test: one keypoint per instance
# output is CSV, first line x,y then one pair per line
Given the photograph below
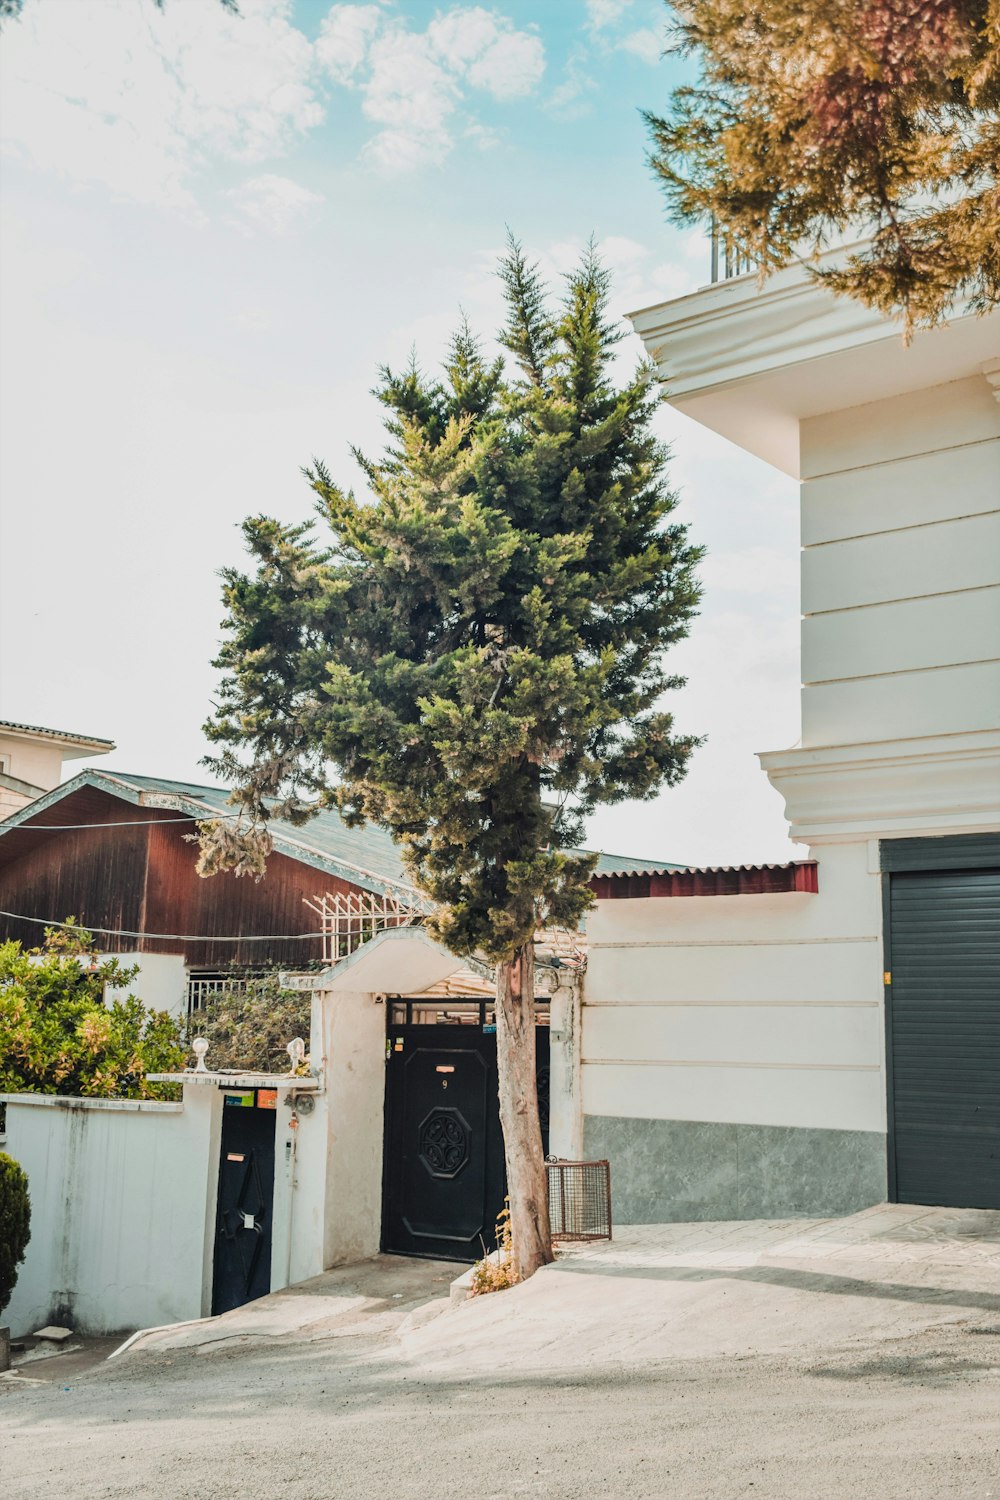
x,y
944,1036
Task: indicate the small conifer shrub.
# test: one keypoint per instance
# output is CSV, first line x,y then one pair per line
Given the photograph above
x,y
15,1224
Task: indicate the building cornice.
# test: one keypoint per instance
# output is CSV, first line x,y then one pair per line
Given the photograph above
x,y
933,786
736,329
751,361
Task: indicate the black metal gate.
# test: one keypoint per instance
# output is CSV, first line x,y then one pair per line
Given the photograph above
x,y
443,1179
246,1191
943,1028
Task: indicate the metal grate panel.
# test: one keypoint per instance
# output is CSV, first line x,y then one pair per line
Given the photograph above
x,y
579,1199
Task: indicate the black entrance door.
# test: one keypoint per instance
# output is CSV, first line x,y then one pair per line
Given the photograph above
x,y
444,1179
243,1218
944,1037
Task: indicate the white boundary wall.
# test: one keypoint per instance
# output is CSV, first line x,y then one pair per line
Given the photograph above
x,y
119,1197
758,1010
124,1192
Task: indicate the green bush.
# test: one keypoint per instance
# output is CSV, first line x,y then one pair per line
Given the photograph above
x,y
57,1035
249,1026
15,1222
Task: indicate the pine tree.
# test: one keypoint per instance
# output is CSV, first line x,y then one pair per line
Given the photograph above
x,y
812,117
476,648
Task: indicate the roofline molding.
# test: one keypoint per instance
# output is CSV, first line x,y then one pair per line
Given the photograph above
x,y
59,736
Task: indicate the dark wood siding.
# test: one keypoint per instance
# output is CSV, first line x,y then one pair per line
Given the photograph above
x,y
179,900
143,879
97,875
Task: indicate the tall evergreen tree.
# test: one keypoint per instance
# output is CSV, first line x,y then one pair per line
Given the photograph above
x,y
811,117
475,649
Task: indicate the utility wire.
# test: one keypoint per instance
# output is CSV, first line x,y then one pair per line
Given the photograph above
x,y
116,823
173,937
286,838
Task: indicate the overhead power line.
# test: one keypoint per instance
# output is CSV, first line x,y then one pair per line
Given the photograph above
x,y
115,823
173,937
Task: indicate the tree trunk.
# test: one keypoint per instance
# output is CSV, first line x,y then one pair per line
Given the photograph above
x,y
522,1133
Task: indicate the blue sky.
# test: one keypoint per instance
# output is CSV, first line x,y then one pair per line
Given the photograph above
x,y
214,231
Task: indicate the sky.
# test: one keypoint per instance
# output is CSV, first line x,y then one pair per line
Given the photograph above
x,y
216,228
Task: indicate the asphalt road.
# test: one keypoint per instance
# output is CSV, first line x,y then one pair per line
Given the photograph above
x,y
346,1413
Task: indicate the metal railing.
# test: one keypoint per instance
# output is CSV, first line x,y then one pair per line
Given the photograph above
x,y
727,260
348,920
205,990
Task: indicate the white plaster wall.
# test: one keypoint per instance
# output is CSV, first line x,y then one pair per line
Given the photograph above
x,y
929,419
343,1140
118,1210
901,567
32,760
161,983
760,1010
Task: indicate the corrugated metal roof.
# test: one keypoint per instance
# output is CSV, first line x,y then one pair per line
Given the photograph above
x,y
64,735
799,876
642,867
365,856
625,864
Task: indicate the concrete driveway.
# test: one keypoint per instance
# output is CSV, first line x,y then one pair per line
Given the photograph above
x,y
689,1291
858,1357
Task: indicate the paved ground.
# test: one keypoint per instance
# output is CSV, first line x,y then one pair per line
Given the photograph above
x,y
852,1359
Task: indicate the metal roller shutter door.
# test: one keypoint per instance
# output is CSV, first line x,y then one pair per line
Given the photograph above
x,y
944,1037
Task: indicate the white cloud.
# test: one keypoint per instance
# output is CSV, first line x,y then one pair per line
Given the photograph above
x,y
568,100
639,277
601,13
646,43
272,203
344,38
137,98
415,83
753,570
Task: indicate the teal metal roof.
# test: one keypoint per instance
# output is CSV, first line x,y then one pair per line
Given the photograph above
x,y
624,864
366,856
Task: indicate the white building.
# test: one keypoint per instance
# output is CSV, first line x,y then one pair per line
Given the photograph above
x,y
813,1053
31,760
745,1043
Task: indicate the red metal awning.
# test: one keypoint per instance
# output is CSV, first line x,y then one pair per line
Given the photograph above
x,y
712,880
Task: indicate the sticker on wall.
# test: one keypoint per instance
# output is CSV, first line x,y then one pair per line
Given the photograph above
x,y
242,1101
267,1098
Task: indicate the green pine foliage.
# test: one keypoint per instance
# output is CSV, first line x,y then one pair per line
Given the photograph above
x,y
472,655
15,1224
812,117
57,1036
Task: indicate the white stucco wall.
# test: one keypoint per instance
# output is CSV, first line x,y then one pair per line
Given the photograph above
x,y
759,1010
344,1140
36,761
901,566
161,983
119,1195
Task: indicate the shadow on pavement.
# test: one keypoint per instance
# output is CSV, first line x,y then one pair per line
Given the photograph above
x,y
801,1281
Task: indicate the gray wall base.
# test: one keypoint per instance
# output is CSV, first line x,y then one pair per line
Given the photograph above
x,y
671,1171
